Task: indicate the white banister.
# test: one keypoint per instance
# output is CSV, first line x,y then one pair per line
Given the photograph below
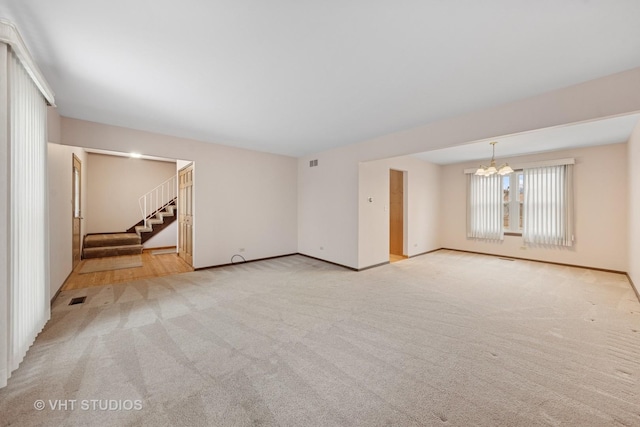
x,y
156,199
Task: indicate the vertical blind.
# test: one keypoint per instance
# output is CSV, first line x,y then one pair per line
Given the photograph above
x,y
28,297
548,205
484,207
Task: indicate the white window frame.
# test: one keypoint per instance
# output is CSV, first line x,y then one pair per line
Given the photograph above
x,y
514,203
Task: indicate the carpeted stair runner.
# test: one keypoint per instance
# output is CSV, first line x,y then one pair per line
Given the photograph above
x,y
114,244
156,222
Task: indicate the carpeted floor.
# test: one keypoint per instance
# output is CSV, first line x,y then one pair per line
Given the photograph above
x,y
445,339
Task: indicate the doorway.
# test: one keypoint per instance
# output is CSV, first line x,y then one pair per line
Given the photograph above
x,y
396,215
185,214
76,215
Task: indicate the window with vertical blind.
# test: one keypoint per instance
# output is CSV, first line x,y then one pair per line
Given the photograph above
x,y
512,201
24,295
484,207
536,201
548,205
29,275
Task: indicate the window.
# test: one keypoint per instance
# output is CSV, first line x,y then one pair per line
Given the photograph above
x,y
535,202
512,201
484,207
28,299
548,205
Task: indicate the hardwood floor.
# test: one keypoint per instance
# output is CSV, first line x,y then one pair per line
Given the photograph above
x,y
152,266
396,258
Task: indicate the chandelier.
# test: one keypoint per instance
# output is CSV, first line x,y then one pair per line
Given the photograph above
x,y
503,169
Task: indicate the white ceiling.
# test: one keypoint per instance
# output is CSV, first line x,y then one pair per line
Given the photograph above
x,y
297,77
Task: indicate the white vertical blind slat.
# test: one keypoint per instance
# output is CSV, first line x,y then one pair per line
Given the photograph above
x,y
484,207
28,288
548,205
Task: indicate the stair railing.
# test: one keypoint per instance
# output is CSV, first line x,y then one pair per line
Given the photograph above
x,y
156,199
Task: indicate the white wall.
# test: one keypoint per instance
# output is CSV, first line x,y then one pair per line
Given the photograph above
x,y
633,159
422,197
328,194
60,166
167,237
243,198
600,194
327,202
114,185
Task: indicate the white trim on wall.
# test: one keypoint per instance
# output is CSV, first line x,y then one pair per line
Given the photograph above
x,y
9,35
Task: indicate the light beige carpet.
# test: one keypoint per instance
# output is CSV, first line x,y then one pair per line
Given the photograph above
x,y
111,263
445,339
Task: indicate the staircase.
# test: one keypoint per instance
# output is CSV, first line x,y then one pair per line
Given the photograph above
x,y
158,210
155,222
111,244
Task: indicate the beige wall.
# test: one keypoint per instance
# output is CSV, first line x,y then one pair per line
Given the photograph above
x,y
60,166
633,158
53,125
167,237
422,208
243,198
328,207
600,191
328,203
114,185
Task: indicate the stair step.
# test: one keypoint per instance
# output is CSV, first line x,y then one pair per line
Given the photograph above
x,y
116,239
107,251
156,222
143,229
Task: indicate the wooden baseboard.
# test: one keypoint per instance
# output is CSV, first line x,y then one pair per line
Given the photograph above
x,y
159,248
606,270
372,266
427,252
633,286
274,257
243,262
60,288
330,262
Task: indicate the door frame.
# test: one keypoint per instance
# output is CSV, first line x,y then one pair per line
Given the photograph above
x,y
405,210
188,258
76,215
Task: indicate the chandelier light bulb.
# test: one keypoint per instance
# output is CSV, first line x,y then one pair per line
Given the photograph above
x,y
492,169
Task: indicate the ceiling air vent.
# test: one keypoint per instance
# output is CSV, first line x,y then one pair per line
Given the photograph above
x,y
313,163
